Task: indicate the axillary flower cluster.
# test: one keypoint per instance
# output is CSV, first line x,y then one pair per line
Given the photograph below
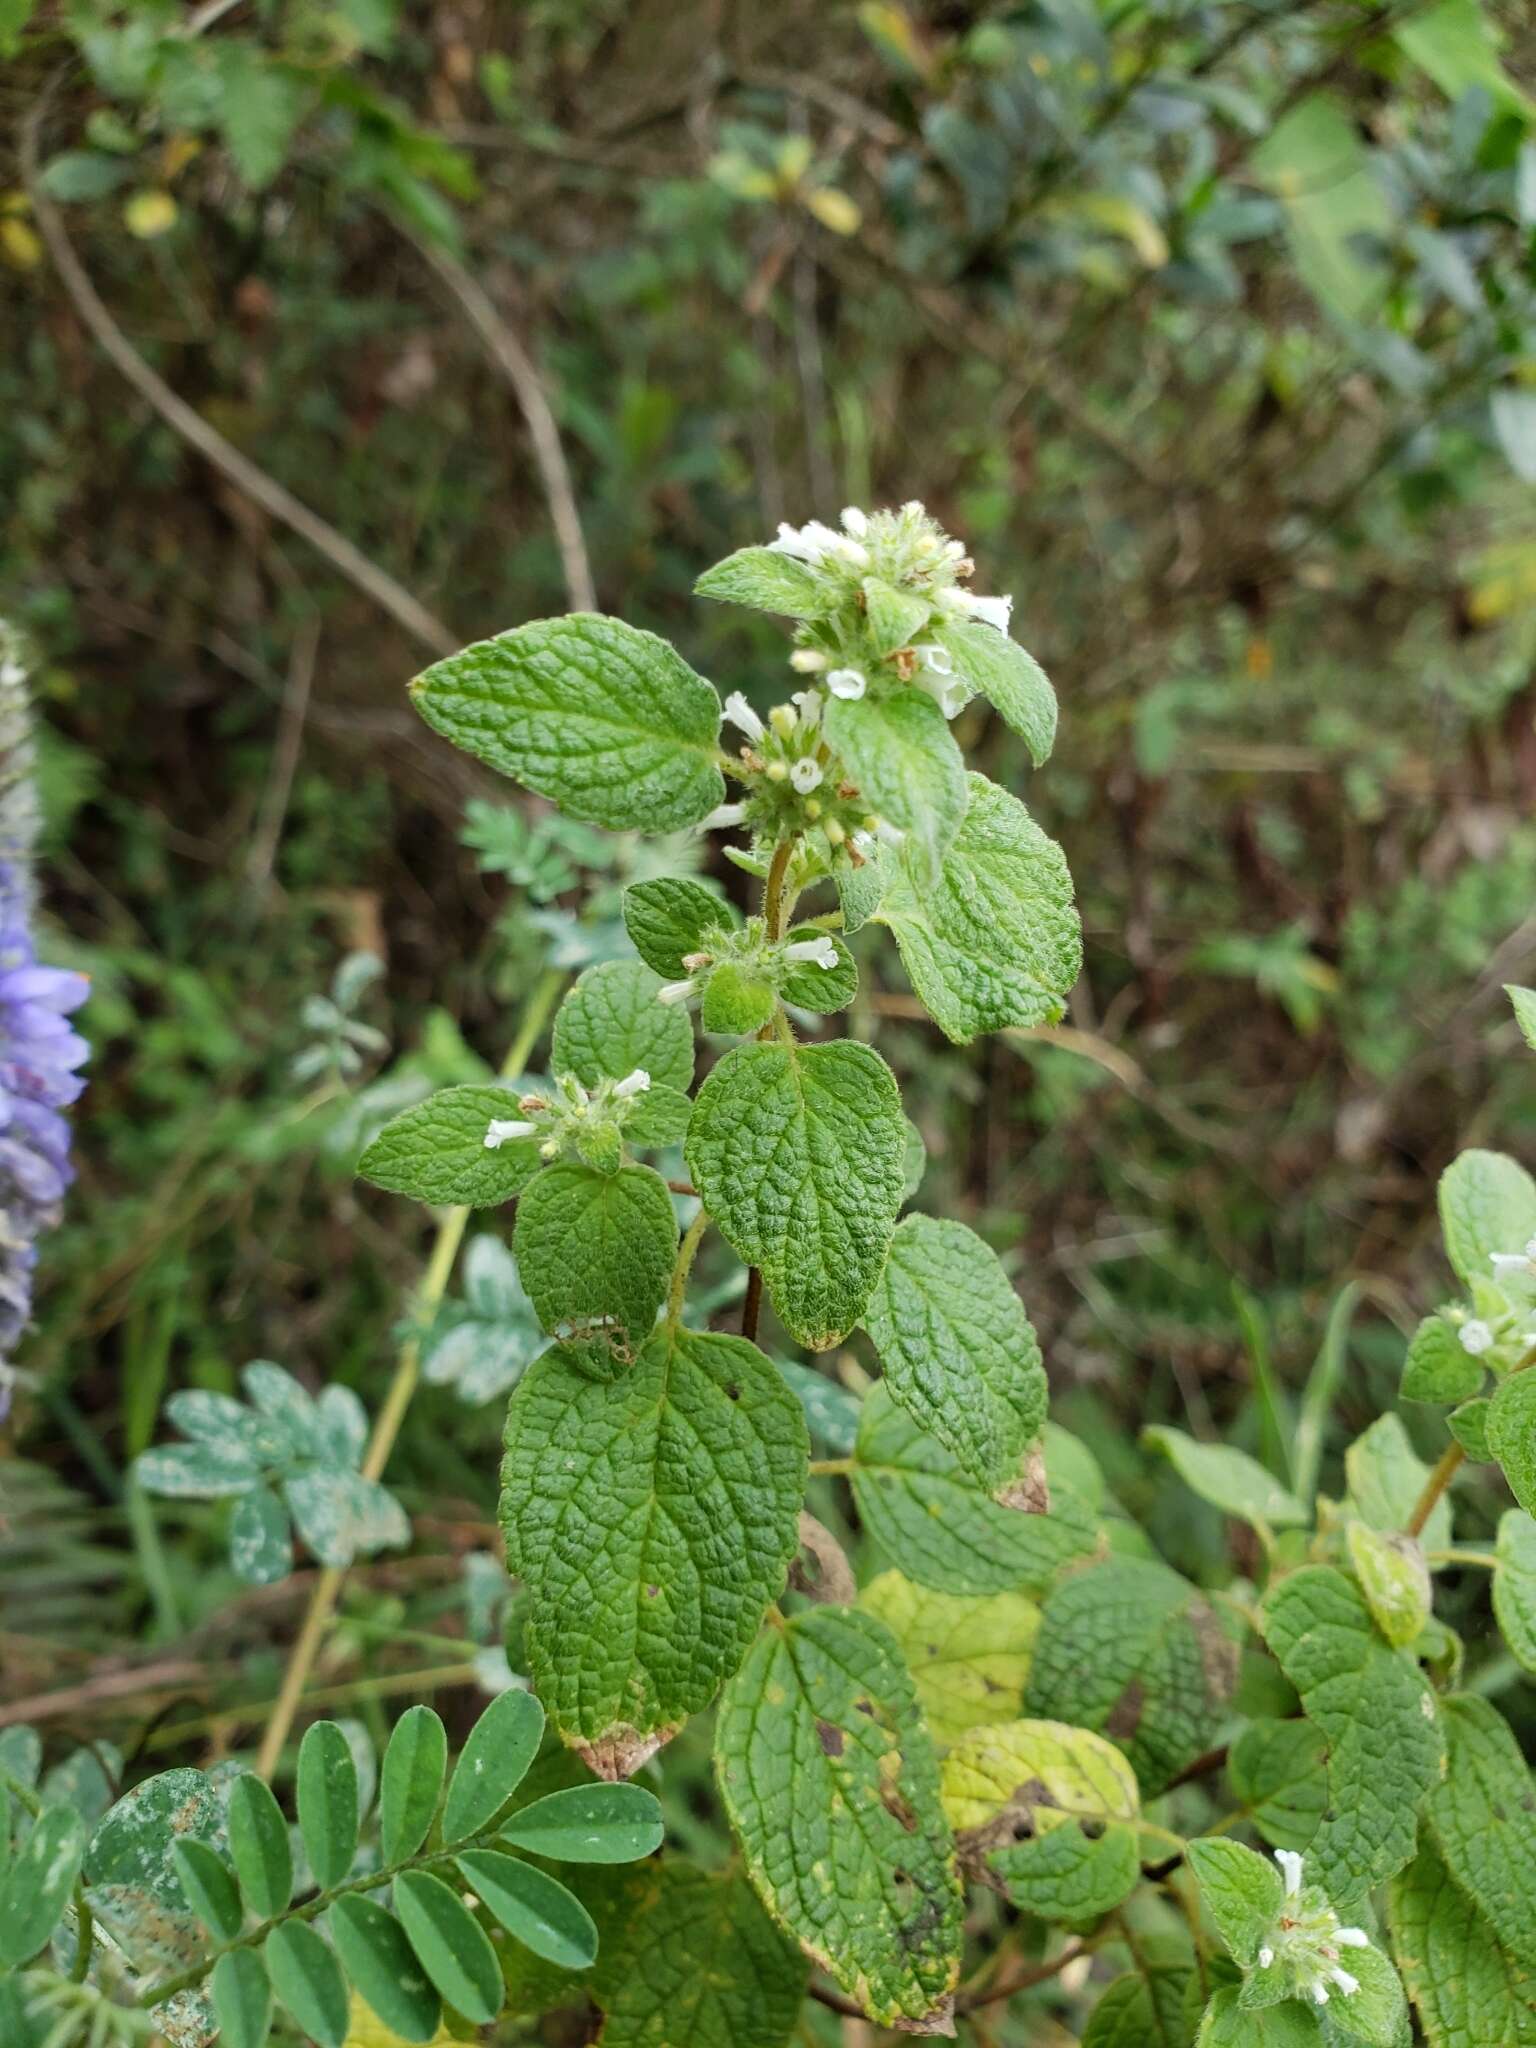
x,y
587,1121
1306,1939
1506,1324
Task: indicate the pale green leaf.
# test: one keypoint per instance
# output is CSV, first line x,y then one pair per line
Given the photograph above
x,y
968,1655
342,1515
308,1981
531,1905
493,1763
410,1784
1014,682
450,1944
1279,1772
194,1472
607,721
653,1518
242,1999
1394,1579
1487,1205
436,1151
1514,1585
1376,2011
1316,164
34,1895
1456,42
1512,1435
667,918
1468,1991
1386,1476
1469,1425
1227,2025
832,1788
821,990
900,752
996,942
1229,1479
657,1118
381,1963
1437,1367
260,1538
596,1250
797,1154
587,1824
1524,1001
327,1793
1482,1815
956,1347
1243,1893
259,1847
736,1002
130,1852
769,582
611,1023
892,617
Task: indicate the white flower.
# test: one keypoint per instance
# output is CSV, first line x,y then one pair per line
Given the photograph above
x,y
847,683
632,1084
808,543
915,509
1290,1867
854,522
722,817
1320,1993
948,692
741,714
806,775
1352,1937
500,1130
993,611
809,705
939,659
820,950
808,661
674,992
1266,1957
1347,1984
1476,1338
1515,1262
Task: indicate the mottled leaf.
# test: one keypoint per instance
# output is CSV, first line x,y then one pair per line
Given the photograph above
x,y
260,1538
35,1894
968,1656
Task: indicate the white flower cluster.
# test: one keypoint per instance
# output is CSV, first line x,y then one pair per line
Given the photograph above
x,y
1478,1334
751,950
1307,1938
576,1104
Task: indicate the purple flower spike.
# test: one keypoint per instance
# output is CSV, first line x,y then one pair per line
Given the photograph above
x,y
39,1052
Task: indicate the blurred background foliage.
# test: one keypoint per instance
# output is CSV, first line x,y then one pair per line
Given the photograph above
x,y
1212,327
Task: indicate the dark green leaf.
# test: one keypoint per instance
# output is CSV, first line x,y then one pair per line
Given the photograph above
x,y
411,1782
327,1803
451,1945
493,1763
258,1843
242,1999
533,1906
381,1963
210,1887
588,1824
308,1980
436,1151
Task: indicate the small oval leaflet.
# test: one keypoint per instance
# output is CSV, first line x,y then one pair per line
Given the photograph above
x,y
588,1824
451,1945
206,1880
493,1763
380,1961
411,1782
258,1843
533,1906
242,1999
327,1802
308,1981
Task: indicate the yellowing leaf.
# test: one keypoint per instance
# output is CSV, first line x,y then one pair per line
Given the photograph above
x,y
149,214
366,2030
1069,1769
19,244
834,209
1118,215
968,1656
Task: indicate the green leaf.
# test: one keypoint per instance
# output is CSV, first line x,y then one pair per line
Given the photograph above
x,y
1524,1001
1229,1479
1133,1651
1315,162
1467,1988
968,1656
1514,1585
820,990
1487,1205
1376,2012
658,1117
1436,1367
194,1472
1000,670
436,1151
327,1803
797,1154
308,1981
769,582
35,1894
1386,1477
533,1906
260,1538
956,1348
861,889
342,1515
1482,1815
1228,2025
286,1406
1394,1579
258,1844
653,1518
607,721
596,1250
1512,1435
940,1527
832,1787
1148,2011
210,1888
1457,45
450,1944
901,753
996,942
611,1023
587,1824
1243,1893
668,918
1279,1772
381,1963
1469,1425
493,1763
893,617
242,1999
260,104
1378,1717
736,1002
82,174
410,1784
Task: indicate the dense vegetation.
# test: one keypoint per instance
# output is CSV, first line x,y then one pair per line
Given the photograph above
x,y
344,334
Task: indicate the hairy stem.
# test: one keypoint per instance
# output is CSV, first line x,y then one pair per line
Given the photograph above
x,y
773,917
692,1237
434,1284
1450,1462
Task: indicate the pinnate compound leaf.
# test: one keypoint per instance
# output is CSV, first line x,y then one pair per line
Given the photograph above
x,y
450,1944
653,1518
1394,1579
1228,1479
1514,1585
436,1151
667,918
210,1888
596,1249
797,1153
908,767
533,1906
327,1802
1136,1653
606,720
1378,1717
956,1347
969,1657
769,582
1482,1816
258,1844
1014,682
308,1981
1467,1989
611,1023
382,1965
1512,1435
34,1895
940,1527
831,1784
410,1785
242,1999
1243,1893
588,1824
996,942
493,1763
1524,1001
1487,1205
1279,1772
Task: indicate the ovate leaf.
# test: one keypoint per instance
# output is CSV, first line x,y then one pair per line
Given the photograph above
x,y
797,1154
436,1151
410,1786
607,721
1512,1435
596,1249
380,1961
1227,2024
1394,1579
451,1945
956,1348
969,1657
493,1763
892,616
900,752
308,1981
1243,1893
195,1472
832,1787
1146,2011
769,582
1437,1367
260,1538
1524,1001
999,669
996,942
1386,1476
611,1023
1229,1479
667,919
1514,1585
1465,1985
1487,1205
653,1517
1279,1772
1482,1815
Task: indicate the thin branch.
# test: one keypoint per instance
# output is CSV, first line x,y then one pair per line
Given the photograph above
x,y
1040,1973
285,756
251,482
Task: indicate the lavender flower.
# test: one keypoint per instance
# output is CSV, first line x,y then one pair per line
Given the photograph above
x,y
39,1053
